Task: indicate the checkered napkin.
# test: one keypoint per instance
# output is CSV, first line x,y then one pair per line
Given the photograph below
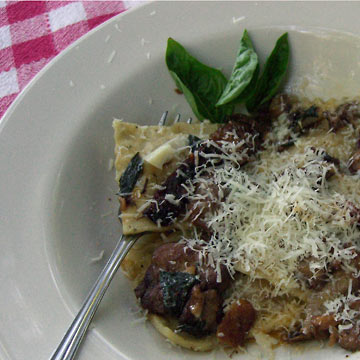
x,y
33,32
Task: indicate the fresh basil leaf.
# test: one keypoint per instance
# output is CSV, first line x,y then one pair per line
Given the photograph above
x,y
242,73
131,175
274,71
202,85
190,98
249,91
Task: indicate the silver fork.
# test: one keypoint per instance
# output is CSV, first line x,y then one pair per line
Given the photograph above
x,y
72,339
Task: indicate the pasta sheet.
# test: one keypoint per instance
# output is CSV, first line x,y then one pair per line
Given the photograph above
x,y
131,139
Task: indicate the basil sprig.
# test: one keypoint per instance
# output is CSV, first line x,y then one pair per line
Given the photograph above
x,y
208,92
131,175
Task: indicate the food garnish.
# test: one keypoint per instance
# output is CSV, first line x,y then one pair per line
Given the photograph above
x,y
206,89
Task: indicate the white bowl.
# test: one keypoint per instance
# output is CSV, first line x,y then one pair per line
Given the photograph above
x,y
57,195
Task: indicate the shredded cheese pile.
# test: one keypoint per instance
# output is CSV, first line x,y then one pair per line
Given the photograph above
x,y
344,310
277,211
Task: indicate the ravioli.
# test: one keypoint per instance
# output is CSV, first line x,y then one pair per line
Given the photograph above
x,y
131,139
275,218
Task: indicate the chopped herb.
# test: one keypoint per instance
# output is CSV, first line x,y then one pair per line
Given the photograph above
x,y
312,111
176,287
131,175
195,329
193,141
302,120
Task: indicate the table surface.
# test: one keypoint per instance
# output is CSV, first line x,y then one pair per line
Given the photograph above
x,y
33,32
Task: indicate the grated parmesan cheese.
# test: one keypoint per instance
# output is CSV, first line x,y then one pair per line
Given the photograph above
x,y
343,311
279,210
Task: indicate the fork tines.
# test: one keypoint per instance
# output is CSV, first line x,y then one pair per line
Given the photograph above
x,y
176,120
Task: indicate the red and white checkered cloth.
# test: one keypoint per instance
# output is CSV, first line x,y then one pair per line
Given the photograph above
x,y
33,32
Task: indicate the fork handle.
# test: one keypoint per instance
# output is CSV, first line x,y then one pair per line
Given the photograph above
x,y
73,337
